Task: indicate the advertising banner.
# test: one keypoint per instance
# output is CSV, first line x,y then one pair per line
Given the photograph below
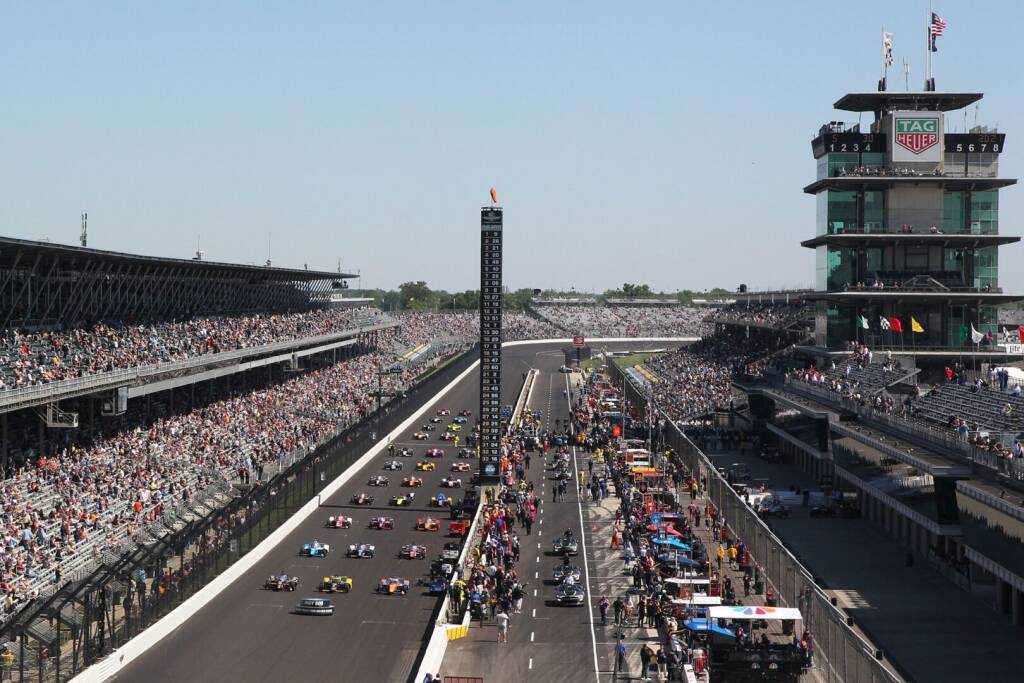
x,y
917,136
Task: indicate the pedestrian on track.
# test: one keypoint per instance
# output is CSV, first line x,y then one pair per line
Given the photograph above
x,y
619,607
602,607
502,620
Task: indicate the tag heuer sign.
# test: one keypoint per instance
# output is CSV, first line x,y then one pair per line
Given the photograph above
x,y
917,135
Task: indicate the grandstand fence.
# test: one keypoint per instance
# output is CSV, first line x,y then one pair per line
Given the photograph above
x,y
58,636
841,655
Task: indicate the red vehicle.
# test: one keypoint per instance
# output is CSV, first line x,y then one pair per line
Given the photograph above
x,y
459,527
435,453
339,522
461,467
382,523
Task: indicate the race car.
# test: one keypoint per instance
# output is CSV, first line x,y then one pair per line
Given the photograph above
x,y
440,500
412,481
382,523
361,550
427,524
421,436
447,436
281,582
454,427
465,413
378,480
573,594
451,483
461,467
435,420
314,549
444,411
466,453
392,465
315,606
411,551
435,586
406,452
451,550
425,466
393,585
460,420
562,571
403,500
429,427
339,522
335,584
362,499
435,453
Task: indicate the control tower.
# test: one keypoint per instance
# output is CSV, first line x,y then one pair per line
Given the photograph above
x,y
908,231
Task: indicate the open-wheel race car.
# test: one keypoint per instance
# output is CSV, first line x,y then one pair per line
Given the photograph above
x,y
315,549
461,467
412,551
440,500
406,452
435,453
447,436
423,466
339,522
428,427
451,483
467,453
454,427
460,420
386,523
421,436
361,550
412,481
451,550
362,499
444,412
335,584
435,586
465,413
392,465
281,582
378,480
403,499
393,585
435,420
427,524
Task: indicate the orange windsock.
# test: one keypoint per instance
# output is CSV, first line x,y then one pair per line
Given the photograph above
x,y
494,195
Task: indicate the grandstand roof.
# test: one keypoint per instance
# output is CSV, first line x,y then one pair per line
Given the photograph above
x,y
861,295
913,101
12,249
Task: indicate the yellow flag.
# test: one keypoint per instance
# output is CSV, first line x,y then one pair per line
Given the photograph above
x,y
915,326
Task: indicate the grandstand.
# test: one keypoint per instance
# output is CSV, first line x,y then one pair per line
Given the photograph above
x,y
621,317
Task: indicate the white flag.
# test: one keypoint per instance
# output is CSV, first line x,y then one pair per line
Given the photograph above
x,y
976,336
884,322
864,323
887,48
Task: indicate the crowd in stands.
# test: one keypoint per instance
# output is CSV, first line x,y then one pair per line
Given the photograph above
x,y
884,171
697,379
29,358
777,314
626,321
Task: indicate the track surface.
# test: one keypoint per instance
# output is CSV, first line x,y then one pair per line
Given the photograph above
x,y
248,634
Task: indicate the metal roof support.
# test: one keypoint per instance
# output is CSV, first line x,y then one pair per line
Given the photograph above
x,y
24,287
75,287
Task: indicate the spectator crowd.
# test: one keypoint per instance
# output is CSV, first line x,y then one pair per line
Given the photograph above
x,y
626,321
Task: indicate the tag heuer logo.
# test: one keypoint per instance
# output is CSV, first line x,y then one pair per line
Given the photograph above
x,y
917,135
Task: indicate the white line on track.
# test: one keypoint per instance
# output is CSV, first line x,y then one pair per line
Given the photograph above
x,y
530,665
583,537
538,560
531,636
538,546
534,612
534,592
540,533
536,575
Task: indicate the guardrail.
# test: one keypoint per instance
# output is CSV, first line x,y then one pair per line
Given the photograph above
x,y
23,397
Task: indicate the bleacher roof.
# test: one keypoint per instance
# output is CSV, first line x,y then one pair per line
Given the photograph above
x,y
12,249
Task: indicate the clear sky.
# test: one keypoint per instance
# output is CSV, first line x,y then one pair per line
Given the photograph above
x,y
667,143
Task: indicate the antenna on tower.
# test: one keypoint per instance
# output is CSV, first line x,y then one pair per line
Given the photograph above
x,y
339,264
84,239
906,75
268,250
199,254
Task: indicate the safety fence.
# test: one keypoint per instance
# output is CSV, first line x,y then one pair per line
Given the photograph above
x,y
78,626
841,655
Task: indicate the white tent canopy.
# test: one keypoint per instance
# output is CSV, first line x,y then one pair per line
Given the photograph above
x,y
751,612
698,600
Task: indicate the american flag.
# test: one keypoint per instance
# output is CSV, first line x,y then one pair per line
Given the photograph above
x,y
938,24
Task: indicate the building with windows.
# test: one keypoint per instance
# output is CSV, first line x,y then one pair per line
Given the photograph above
x,y
908,226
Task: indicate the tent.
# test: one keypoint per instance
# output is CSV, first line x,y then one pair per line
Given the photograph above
x,y
679,559
699,600
663,529
755,612
672,542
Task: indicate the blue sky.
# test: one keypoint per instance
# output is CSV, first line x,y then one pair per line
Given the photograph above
x,y
668,142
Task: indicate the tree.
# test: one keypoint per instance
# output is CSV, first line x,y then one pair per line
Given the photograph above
x,y
417,296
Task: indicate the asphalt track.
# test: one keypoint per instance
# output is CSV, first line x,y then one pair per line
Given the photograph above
x,y
248,634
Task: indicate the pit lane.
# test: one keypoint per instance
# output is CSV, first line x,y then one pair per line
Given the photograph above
x,y
249,634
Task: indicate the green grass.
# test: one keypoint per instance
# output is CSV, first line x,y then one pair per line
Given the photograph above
x,y
631,360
